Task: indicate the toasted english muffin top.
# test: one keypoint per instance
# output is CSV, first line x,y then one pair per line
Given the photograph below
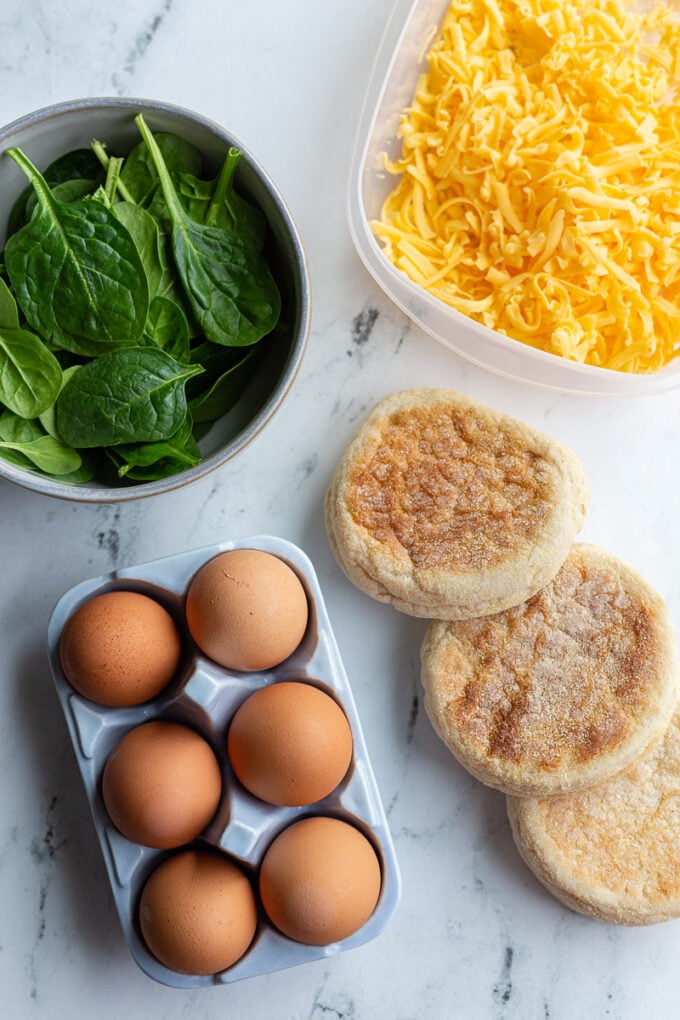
x,y
447,508
562,691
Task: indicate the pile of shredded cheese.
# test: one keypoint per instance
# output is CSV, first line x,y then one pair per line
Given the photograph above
x,y
539,188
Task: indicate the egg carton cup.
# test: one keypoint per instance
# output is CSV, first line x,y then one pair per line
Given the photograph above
x,y
401,58
205,696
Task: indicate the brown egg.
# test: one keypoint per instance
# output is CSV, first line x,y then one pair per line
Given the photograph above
x,y
120,648
247,609
290,744
198,912
161,784
320,880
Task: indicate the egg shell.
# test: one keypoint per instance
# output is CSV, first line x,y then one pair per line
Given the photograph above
x,y
161,784
247,609
120,648
290,744
205,696
198,912
320,880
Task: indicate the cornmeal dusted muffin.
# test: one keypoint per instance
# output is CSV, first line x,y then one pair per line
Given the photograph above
x,y
562,691
449,509
611,852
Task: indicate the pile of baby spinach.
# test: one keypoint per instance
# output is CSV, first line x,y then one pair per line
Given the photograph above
x,y
133,294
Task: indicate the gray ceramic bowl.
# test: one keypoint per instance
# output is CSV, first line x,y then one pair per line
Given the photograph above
x,y
55,130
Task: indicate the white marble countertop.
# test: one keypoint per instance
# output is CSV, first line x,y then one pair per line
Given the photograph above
x,y
475,935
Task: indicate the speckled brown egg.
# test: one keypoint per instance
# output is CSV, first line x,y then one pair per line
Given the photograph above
x,y
161,784
198,912
290,743
320,880
247,609
120,648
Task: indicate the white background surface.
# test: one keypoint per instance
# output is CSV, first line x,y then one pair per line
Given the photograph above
x,y
475,935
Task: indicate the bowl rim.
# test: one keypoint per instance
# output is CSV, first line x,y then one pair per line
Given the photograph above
x,y
86,493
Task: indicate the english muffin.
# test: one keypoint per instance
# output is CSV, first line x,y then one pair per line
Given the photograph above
x,y
611,852
449,509
562,691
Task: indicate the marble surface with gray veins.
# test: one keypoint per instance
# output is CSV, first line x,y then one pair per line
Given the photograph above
x,y
475,936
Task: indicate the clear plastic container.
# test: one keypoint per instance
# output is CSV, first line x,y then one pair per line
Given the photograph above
x,y
400,60
205,696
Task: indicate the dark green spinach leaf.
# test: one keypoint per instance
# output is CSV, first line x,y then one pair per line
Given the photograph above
x,y
167,327
146,461
222,394
229,285
132,395
9,311
139,175
24,444
30,375
76,271
79,164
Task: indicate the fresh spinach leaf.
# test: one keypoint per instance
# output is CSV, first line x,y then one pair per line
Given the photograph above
x,y
78,164
143,461
48,417
230,210
217,203
132,395
229,285
219,397
76,271
139,175
19,433
152,245
167,328
144,232
69,191
46,453
24,444
15,429
9,312
30,375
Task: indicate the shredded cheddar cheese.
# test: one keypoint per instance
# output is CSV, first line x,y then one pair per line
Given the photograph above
x,y
539,180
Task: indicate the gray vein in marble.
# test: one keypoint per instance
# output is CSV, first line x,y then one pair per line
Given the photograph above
x,y
43,852
362,330
362,326
305,470
413,718
342,1009
502,990
142,42
108,538
411,724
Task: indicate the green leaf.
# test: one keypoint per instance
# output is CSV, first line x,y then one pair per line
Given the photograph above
x,y
76,272
68,191
144,232
9,312
139,175
132,395
46,453
216,399
167,327
79,163
228,283
230,210
30,375
165,456
152,245
15,429
48,417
